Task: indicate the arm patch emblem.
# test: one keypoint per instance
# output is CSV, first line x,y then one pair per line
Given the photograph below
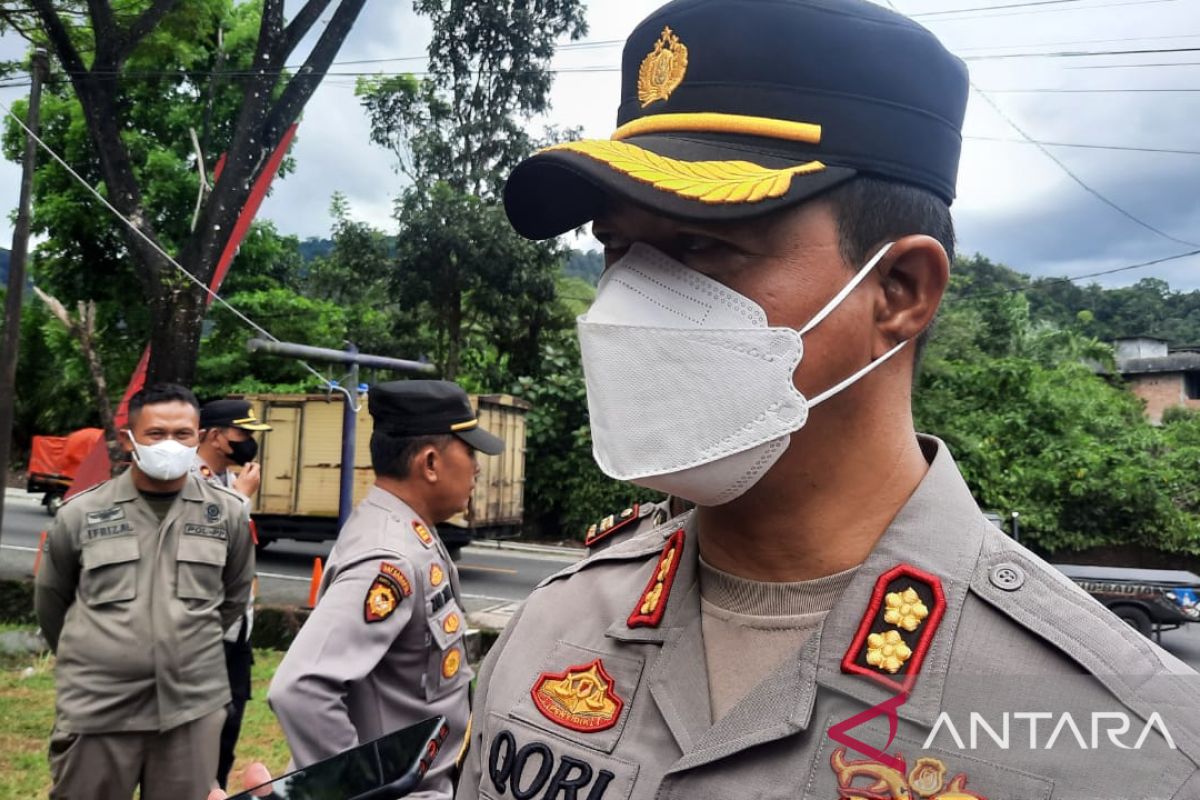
x,y
382,599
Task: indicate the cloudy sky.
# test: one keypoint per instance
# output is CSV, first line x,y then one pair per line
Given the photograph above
x,y
1016,205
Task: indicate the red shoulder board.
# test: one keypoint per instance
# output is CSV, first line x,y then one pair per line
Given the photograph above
x,y
422,533
582,698
898,628
611,524
653,603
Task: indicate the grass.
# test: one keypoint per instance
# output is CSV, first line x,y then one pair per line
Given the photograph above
x,y
27,709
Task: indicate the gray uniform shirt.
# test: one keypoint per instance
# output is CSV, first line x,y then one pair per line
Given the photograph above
x,y
135,609
586,697
383,649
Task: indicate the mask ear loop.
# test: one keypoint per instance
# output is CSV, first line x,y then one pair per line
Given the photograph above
x,y
831,391
847,289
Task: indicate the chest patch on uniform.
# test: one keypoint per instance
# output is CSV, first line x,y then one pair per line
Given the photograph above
x,y
398,577
927,779
452,622
383,597
207,531
611,524
422,533
651,606
451,663
101,531
107,515
582,698
436,575
897,629
212,512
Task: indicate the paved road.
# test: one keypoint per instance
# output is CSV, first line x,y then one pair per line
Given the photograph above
x,y
494,580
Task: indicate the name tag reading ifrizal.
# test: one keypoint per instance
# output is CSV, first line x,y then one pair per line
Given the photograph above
x,y
101,531
207,531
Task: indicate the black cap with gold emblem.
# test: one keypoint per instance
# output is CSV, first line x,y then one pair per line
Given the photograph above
x,y
732,109
427,408
231,413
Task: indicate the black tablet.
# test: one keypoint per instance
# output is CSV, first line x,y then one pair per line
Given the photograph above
x,y
384,769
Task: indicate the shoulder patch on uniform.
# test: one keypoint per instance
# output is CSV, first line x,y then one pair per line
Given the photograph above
x,y
107,515
206,471
383,596
651,606
613,523
582,698
897,628
422,533
398,577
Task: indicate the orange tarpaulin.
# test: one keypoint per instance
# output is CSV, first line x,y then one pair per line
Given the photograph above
x,y
61,455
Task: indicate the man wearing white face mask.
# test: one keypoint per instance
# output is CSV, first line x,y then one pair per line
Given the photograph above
x,y
142,575
774,209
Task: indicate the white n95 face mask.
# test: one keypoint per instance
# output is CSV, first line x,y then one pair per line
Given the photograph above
x,y
166,461
689,390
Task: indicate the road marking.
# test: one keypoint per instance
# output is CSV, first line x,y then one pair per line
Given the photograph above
x,y
281,577
481,568
18,547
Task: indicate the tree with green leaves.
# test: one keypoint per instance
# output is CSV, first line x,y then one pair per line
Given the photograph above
x,y
132,85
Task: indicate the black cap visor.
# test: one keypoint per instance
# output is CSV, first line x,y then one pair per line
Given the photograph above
x,y
562,188
482,441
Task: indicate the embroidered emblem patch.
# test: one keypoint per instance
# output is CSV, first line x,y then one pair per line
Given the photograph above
x,y
423,533
926,780
452,623
107,515
398,577
662,70
897,628
212,512
648,612
436,575
611,524
451,663
382,599
581,698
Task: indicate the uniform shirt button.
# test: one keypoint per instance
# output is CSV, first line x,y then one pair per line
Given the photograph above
x,y
1007,576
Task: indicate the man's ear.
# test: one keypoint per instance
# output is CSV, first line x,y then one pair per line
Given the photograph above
x,y
429,462
913,275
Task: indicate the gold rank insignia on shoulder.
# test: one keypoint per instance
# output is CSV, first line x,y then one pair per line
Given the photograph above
x,y
582,698
926,780
897,628
651,606
206,471
422,533
611,524
662,69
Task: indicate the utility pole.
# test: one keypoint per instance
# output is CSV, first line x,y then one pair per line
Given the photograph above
x,y
16,272
355,359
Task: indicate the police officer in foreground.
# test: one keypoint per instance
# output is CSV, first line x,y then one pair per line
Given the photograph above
x,y
227,429
383,649
836,618
141,577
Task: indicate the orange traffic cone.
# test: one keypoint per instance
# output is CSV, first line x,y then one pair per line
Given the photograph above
x,y
315,583
37,560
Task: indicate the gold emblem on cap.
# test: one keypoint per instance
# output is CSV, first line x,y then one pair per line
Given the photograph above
x,y
662,70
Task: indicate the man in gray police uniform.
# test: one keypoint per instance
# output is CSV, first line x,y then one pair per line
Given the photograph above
x,y
383,649
836,618
143,574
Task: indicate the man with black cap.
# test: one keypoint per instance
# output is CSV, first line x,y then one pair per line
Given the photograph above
x,y
227,429
383,648
836,618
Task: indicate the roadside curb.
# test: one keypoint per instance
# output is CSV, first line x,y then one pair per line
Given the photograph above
x,y
570,551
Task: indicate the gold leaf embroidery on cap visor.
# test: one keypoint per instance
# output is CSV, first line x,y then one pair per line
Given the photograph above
x,y
712,182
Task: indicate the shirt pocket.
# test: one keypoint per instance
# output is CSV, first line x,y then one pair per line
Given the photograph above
x,y
200,563
109,571
447,668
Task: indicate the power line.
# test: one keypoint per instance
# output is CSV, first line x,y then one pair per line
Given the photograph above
x,y
155,246
993,8
1078,41
1132,66
1042,283
1087,91
965,16
1061,165
1083,53
1088,146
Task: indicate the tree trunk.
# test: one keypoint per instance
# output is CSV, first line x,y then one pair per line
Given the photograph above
x,y
177,313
